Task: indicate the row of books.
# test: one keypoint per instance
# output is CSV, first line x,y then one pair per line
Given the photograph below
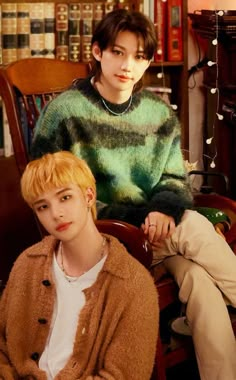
x,y
64,30
49,29
167,16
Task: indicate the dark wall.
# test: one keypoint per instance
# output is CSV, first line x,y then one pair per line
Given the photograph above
x,y
18,228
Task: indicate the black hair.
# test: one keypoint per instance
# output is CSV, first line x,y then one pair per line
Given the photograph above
x,y
121,20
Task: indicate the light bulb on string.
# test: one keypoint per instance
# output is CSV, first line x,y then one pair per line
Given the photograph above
x,y
220,117
174,107
213,90
211,63
208,141
214,42
159,75
212,164
220,13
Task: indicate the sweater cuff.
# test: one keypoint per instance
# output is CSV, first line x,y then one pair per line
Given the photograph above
x,y
170,203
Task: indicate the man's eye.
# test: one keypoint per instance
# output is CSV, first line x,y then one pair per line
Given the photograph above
x,y
116,52
141,57
41,208
65,197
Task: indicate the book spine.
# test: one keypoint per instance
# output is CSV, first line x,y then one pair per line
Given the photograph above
x,y
49,30
1,129
7,141
9,33
37,29
160,21
129,5
175,31
74,32
0,34
62,26
86,31
109,6
98,13
23,30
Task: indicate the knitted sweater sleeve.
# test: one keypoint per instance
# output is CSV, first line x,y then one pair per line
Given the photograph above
x,y
171,195
50,134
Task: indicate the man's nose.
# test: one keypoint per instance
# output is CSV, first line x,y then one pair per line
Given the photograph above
x,y
127,63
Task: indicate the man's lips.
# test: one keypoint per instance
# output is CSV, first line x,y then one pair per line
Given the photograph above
x,y
63,226
123,77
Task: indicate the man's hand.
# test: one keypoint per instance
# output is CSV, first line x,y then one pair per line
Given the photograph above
x,y
158,227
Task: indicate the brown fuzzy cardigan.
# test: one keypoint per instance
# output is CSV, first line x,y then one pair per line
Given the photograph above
x,y
117,329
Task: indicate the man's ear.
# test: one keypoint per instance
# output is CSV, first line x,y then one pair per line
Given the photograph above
x,y
96,51
90,196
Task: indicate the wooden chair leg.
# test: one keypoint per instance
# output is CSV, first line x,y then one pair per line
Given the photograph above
x,y
159,371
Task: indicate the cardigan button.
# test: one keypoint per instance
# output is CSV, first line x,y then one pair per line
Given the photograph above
x,y
35,356
46,282
43,321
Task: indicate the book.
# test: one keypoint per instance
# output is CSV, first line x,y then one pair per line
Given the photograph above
x,y
37,29
145,9
151,9
109,6
86,31
74,32
23,30
129,5
9,32
49,30
160,21
62,30
1,129
174,30
7,141
0,34
98,13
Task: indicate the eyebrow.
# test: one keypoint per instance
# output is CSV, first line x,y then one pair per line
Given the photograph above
x,y
140,50
57,193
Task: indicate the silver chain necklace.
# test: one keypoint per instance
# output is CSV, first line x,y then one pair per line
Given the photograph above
x,y
72,278
116,113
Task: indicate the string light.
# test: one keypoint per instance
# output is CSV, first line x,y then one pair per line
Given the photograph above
x,y
161,74
215,90
211,63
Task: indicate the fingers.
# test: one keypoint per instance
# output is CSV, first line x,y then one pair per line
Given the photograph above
x,y
158,227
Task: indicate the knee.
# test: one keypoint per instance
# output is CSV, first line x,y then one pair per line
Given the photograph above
x,y
197,284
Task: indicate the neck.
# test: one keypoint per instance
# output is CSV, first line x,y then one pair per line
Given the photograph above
x,y
111,94
81,254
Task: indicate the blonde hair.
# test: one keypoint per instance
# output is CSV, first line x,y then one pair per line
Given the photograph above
x,y
56,170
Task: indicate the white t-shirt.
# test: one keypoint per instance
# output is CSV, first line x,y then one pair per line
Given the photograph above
x,y
69,303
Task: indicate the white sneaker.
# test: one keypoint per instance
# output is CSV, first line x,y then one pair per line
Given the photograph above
x,y
180,326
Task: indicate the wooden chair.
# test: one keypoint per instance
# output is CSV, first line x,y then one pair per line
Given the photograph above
x,y
26,86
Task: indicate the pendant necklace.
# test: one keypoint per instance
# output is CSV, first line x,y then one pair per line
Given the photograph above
x,y
106,105
117,113
72,278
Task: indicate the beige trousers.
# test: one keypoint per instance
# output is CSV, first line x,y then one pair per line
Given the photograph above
x,y
204,267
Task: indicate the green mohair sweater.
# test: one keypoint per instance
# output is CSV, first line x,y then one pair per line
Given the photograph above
x,y
135,157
